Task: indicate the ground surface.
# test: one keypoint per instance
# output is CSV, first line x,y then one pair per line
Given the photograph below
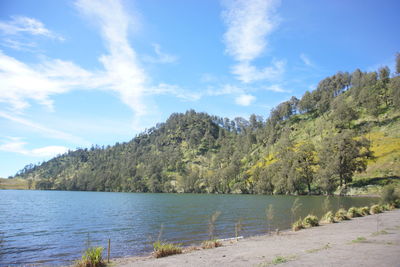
x,y
373,240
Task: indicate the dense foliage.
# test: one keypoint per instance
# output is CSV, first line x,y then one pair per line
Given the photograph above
x,y
308,145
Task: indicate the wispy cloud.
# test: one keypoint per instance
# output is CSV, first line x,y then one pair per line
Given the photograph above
x,y
16,145
160,56
18,33
122,68
21,82
277,88
248,23
52,133
25,25
306,60
247,73
245,100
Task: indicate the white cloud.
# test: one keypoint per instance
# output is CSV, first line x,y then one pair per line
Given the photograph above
x,y
248,23
52,133
227,89
21,82
123,71
277,88
16,145
163,89
245,100
306,60
248,73
161,56
26,25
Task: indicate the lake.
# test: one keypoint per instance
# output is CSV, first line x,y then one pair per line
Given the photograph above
x,y
54,227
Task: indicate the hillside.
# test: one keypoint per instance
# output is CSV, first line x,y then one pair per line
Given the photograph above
x,y
344,136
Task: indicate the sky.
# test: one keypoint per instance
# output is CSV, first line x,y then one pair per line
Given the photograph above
x,y
95,72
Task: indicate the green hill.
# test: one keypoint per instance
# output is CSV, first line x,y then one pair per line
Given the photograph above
x,y
343,137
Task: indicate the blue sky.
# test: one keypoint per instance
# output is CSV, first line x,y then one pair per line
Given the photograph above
x,y
77,73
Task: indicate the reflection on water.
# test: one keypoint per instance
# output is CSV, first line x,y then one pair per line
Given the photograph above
x,y
53,227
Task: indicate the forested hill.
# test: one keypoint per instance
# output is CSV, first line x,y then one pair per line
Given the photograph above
x,y
347,128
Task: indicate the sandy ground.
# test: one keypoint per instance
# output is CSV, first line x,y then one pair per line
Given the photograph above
x,y
373,240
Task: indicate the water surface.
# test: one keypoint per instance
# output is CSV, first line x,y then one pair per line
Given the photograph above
x,y
54,227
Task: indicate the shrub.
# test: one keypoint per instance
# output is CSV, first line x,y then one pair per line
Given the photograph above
x,y
211,244
329,217
297,225
341,215
310,221
353,212
165,249
375,209
364,211
93,257
389,194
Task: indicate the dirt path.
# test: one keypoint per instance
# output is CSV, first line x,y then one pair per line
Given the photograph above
x,y
349,243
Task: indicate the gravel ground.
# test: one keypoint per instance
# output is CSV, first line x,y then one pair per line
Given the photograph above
x,y
373,240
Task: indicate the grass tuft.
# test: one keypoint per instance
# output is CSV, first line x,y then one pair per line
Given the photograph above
x,y
298,225
353,212
375,209
92,257
329,217
162,249
310,221
341,215
211,244
364,211
359,239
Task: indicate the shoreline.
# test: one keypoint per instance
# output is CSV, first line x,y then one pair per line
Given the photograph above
x,y
373,240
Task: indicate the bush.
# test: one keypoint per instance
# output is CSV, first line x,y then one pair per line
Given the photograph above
x,y
364,211
297,225
389,194
310,221
375,209
353,212
165,249
341,215
93,257
211,244
329,217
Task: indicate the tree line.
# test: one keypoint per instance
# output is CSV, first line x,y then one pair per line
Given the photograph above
x,y
307,145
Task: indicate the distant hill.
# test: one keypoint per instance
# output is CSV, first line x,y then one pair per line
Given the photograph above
x,y
320,143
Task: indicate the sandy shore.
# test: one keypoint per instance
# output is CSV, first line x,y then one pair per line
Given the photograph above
x,y
349,243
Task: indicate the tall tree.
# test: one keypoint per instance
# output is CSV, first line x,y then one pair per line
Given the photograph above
x,y
342,155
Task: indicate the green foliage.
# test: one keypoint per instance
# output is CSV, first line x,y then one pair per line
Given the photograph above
x,y
298,225
329,217
307,146
92,257
310,221
389,194
162,249
375,209
341,215
279,260
359,239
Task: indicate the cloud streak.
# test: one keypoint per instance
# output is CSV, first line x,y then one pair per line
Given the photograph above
x,y
249,22
16,145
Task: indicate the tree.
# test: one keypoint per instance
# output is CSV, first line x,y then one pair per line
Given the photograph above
x,y
343,114
305,164
342,155
306,103
398,63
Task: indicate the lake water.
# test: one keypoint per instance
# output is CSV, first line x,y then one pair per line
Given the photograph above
x,y
54,227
